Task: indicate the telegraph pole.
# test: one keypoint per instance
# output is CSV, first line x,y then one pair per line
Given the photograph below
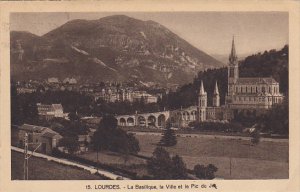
x,y
26,155
97,157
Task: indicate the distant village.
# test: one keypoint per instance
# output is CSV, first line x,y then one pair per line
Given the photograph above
x,y
108,91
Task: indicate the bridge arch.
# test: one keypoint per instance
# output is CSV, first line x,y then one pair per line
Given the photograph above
x,y
130,121
151,120
141,121
161,120
122,121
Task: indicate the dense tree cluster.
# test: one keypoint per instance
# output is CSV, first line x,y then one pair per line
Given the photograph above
x,y
109,137
23,107
276,120
70,143
67,128
161,166
268,64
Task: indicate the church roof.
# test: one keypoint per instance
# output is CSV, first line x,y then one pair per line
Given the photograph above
x,y
256,80
57,106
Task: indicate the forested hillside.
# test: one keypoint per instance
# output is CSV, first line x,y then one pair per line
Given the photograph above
x,y
271,63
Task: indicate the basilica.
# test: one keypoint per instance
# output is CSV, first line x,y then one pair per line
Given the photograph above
x,y
245,94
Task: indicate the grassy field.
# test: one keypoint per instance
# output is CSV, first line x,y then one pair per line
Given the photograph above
x,y
41,169
131,163
267,160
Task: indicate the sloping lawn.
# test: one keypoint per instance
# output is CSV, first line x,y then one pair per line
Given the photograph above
x,y
41,169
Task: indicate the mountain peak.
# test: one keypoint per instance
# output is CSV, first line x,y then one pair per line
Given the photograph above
x,y
141,50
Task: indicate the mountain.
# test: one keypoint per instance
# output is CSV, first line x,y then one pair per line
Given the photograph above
x,y
117,48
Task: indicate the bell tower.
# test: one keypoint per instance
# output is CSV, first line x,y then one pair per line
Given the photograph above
x,y
202,103
216,96
233,69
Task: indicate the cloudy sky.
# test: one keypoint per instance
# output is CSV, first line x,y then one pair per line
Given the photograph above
x,y
209,31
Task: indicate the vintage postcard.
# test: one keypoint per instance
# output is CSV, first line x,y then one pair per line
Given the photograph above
x,y
149,96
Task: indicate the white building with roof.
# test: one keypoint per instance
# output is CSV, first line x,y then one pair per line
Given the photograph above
x,y
50,111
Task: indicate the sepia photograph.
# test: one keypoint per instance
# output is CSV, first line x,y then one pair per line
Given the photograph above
x,y
149,96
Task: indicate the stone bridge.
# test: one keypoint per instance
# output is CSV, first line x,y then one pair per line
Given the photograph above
x,y
178,118
155,119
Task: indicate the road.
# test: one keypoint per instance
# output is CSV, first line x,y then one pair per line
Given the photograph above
x,y
91,169
210,136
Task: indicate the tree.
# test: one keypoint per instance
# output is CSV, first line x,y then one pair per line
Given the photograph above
x,y
30,112
169,138
133,144
162,166
73,116
109,137
211,170
179,167
71,143
17,117
205,172
276,120
255,137
108,122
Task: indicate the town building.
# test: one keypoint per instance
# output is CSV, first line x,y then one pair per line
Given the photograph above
x,y
70,81
112,94
50,111
53,80
42,138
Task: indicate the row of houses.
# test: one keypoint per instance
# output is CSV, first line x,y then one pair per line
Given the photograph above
x,y
110,95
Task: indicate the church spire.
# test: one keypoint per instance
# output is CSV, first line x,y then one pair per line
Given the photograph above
x,y
216,91
216,96
232,56
201,91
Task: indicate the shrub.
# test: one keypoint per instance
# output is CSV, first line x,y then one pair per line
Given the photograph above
x,y
255,137
205,172
162,166
169,138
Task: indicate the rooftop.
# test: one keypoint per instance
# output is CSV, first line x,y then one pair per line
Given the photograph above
x,y
256,80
